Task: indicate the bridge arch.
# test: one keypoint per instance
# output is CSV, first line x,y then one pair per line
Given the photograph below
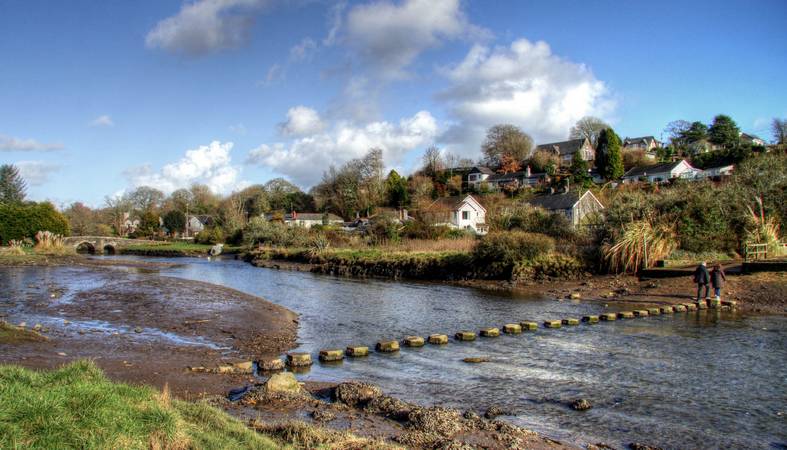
x,y
86,247
109,249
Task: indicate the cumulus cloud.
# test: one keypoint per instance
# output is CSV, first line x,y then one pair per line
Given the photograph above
x,y
208,164
12,144
304,159
301,121
36,173
390,36
525,85
102,121
205,26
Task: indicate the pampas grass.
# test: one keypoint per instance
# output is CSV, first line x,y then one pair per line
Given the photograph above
x,y
640,245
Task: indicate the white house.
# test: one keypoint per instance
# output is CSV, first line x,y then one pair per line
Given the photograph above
x,y
572,204
478,175
457,212
661,172
715,172
308,220
196,224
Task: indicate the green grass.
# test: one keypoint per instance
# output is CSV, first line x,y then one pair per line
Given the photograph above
x,y
177,248
10,334
78,407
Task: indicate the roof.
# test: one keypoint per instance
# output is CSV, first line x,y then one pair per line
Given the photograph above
x,y
307,216
482,169
750,137
560,201
641,171
203,219
565,147
452,203
498,177
643,139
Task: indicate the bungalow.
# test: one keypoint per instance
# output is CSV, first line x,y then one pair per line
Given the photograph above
x,y
457,212
752,139
478,175
566,149
307,220
646,143
195,224
717,172
523,178
661,172
572,204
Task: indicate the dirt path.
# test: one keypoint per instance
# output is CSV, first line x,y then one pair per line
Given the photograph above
x,y
146,329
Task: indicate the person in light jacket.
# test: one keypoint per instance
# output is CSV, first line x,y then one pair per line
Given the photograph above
x,y
717,279
702,278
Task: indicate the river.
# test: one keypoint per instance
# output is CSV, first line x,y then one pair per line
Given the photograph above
x,y
694,380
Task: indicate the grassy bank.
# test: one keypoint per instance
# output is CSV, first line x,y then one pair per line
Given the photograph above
x,y
174,249
10,334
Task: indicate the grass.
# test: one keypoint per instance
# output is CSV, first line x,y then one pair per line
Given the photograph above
x,y
78,407
10,334
175,248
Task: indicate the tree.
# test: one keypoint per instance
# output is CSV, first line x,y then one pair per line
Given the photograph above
x,y
12,186
175,221
696,132
24,220
608,155
579,170
181,199
508,164
588,127
779,130
420,188
277,191
506,140
146,198
724,132
148,224
204,201
82,219
433,161
545,161
396,189
676,131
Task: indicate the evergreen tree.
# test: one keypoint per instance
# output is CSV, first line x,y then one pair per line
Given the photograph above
x,y
579,170
724,132
609,158
396,189
12,185
696,132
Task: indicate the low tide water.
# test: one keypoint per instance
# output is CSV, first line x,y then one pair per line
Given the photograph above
x,y
707,379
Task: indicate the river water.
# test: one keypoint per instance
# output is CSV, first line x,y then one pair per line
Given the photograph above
x,y
693,380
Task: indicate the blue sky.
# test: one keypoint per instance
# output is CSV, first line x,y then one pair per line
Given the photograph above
x,y
101,96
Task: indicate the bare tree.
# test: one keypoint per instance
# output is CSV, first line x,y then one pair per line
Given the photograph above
x,y
588,127
506,140
433,161
779,130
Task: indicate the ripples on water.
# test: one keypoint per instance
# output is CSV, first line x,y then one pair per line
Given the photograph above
x,y
697,380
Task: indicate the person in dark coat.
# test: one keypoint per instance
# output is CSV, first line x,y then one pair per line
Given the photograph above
x,y
702,278
717,279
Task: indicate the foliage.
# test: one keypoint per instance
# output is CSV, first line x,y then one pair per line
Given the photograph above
x,y
261,232
49,243
579,170
724,132
506,140
640,244
357,186
175,221
76,406
609,159
24,220
763,230
512,246
731,155
535,220
779,130
383,230
211,236
552,265
634,158
396,190
148,224
544,161
12,187
508,164
146,198
588,127
83,220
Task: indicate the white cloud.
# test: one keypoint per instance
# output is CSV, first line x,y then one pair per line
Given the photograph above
x,y
390,36
12,144
304,50
36,173
205,26
525,85
208,164
301,121
304,159
102,121
336,19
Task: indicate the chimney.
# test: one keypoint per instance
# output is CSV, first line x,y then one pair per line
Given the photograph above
x,y
527,171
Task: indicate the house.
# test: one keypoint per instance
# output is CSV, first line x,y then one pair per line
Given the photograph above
x,y
752,139
478,175
129,225
717,172
661,172
307,220
566,149
572,204
647,143
198,223
520,179
457,212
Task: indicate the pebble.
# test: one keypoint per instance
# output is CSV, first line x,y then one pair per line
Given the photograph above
x,y
61,354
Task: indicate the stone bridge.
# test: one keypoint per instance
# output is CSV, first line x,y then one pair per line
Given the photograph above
x,y
107,245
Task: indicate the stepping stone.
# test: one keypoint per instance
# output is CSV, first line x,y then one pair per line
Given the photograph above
x,y
625,315
357,351
490,332
654,311
680,308
609,316
512,328
387,346
552,324
413,341
575,296
331,355
476,359
465,336
730,303
701,305
590,319
715,303
570,321
641,313
666,310
270,364
244,367
529,326
299,359
691,306
438,339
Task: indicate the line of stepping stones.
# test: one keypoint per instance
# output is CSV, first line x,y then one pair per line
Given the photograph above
x,y
299,359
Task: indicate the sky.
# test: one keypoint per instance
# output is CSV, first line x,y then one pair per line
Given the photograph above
x,y
100,97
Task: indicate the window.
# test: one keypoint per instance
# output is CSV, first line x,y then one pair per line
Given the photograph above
x,y
465,215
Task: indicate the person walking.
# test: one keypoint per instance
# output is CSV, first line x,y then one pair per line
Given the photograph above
x,y
702,278
717,279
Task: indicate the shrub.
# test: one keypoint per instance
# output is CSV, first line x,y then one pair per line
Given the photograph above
x,y
383,230
498,252
210,236
536,220
24,220
554,265
261,232
640,244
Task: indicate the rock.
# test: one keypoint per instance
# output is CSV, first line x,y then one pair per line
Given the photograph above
x,y
390,407
572,322
357,351
37,327
590,319
224,369
323,415
641,313
575,296
512,328
490,332
470,415
61,354
442,421
237,394
581,405
299,359
138,330
465,336
216,250
331,355
438,339
66,322
244,367
493,411
529,326
626,315
476,359
283,382
413,341
354,393
552,324
22,324
638,446
270,364
387,346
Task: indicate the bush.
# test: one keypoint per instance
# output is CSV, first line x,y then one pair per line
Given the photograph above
x,y
536,220
210,236
500,251
554,265
24,220
261,232
383,231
